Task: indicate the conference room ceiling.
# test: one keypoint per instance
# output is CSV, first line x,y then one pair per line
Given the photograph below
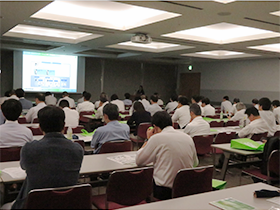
x,y
173,36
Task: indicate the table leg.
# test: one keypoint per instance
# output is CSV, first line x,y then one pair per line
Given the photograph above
x,y
225,165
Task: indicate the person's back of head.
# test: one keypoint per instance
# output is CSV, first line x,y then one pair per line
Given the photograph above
x,y
195,109
127,96
7,93
196,98
40,97
183,100
64,94
138,97
275,103
236,100
138,107
240,106
114,97
205,101
174,97
252,111
112,111
63,103
48,93
51,119
154,98
143,96
87,96
161,119
84,92
103,99
255,101
103,95
226,98
265,103
11,109
19,92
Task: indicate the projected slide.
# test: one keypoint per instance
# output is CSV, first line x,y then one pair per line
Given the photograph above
x,y
49,72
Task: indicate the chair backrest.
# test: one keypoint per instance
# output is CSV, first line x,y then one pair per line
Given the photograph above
x,y
86,113
224,137
73,197
22,120
80,142
129,187
36,131
191,181
10,154
116,146
203,144
216,124
258,136
142,129
277,133
232,123
124,112
36,120
175,125
213,116
78,129
273,164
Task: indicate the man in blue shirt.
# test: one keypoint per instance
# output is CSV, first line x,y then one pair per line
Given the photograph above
x,y
113,130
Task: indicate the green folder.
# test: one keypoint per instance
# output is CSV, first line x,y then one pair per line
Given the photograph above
x,y
85,133
218,184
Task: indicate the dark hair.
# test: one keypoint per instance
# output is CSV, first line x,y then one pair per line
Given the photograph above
x,y
40,96
205,101
196,98
275,103
7,93
195,108
137,97
226,97
138,107
174,97
11,109
161,119
65,93
114,97
19,92
103,95
87,96
154,98
112,111
183,100
236,100
252,110
48,93
103,99
127,95
51,119
84,93
265,103
255,101
64,103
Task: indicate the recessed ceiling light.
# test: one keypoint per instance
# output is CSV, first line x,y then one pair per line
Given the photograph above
x,y
219,54
151,47
268,47
223,33
49,34
105,14
277,13
224,1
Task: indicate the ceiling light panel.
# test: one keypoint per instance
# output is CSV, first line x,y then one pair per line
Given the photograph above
x,y
268,47
277,13
105,14
223,33
219,54
155,47
50,34
224,1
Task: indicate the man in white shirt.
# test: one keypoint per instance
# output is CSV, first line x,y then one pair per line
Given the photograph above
x,y
169,150
97,103
145,102
197,99
154,107
240,115
255,103
276,110
207,109
127,100
50,99
86,105
26,104
267,115
65,96
226,105
119,103
159,102
182,113
81,100
32,113
71,115
12,134
257,124
197,126
234,110
99,112
172,105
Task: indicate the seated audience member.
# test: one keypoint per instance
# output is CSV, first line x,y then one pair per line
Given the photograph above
x,y
169,150
2,117
255,103
26,104
127,100
115,100
240,115
140,91
136,98
71,115
99,112
256,125
50,99
13,134
226,105
154,107
276,110
182,113
235,101
197,125
54,161
32,113
206,108
65,96
172,105
81,100
86,105
159,102
140,115
113,130
97,103
267,115
6,95
197,99
145,102
12,95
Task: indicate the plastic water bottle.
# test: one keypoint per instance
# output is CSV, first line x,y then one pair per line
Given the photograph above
x,y
221,115
69,133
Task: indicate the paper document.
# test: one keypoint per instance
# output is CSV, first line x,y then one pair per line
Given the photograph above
x,y
231,204
15,172
275,200
124,159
